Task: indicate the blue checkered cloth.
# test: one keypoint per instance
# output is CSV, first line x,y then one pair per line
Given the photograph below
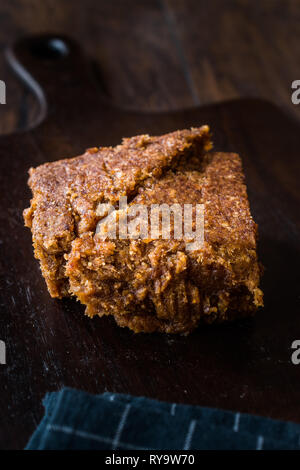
x,y
78,420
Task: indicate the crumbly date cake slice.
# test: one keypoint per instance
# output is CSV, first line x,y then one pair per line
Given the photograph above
x,y
152,285
66,193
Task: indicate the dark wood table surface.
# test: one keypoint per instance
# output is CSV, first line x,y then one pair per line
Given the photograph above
x,y
153,56
165,54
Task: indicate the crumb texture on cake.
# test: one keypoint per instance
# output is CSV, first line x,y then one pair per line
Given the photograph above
x,y
148,284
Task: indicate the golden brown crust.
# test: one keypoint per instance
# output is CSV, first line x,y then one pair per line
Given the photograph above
x,y
148,285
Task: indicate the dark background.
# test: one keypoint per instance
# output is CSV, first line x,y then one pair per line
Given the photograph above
x,y
153,56
165,54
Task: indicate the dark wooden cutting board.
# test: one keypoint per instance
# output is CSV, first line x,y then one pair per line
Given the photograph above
x,y
244,366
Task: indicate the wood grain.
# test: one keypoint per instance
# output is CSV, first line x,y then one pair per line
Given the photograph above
x,y
242,48
244,366
164,54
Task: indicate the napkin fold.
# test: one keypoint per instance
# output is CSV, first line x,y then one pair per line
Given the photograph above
x,y
77,420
